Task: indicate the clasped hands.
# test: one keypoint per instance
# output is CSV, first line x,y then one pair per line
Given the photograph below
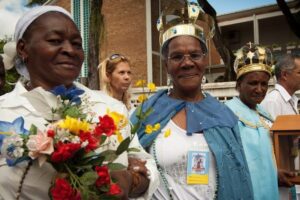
x,y
133,181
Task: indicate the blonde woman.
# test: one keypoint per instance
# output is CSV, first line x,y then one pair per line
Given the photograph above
x,y
116,77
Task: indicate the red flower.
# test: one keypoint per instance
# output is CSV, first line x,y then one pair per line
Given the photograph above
x,y
62,190
106,125
103,176
50,133
64,151
93,143
114,189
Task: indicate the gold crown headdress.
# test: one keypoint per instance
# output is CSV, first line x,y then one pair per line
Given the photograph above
x,y
251,58
178,20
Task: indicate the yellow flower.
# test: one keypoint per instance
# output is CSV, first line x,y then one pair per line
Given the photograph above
x,y
167,133
5,133
74,125
149,129
151,87
140,83
142,98
120,120
156,127
119,136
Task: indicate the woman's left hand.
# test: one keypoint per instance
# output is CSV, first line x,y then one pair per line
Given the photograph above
x,y
283,178
124,180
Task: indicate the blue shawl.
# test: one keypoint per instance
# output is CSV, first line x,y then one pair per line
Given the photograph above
x,y
201,115
220,128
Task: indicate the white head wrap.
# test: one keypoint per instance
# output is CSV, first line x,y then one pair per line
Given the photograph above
x,y
23,23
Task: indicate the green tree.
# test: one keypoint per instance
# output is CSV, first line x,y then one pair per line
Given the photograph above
x,y
35,2
96,33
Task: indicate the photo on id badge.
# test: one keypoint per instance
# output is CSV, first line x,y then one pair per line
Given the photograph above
x,y
197,167
197,162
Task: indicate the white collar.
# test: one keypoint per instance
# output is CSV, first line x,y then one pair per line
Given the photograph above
x,y
285,95
15,98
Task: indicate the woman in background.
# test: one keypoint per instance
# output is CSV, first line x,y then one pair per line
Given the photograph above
x,y
253,68
116,77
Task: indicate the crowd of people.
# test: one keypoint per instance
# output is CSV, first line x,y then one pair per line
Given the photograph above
x,y
202,148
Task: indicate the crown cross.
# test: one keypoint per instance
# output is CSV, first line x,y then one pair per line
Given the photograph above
x,y
250,45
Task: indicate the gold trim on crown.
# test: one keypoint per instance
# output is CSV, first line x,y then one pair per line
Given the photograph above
x,y
253,67
183,29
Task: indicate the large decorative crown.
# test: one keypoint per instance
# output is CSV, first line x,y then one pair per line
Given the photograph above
x,y
251,58
178,19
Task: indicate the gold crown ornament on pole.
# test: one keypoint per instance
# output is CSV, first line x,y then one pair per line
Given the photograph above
x,y
252,57
184,18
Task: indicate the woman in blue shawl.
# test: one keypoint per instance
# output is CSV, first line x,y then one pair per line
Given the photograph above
x,y
197,149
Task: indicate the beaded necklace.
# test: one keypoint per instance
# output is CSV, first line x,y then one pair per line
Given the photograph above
x,y
161,172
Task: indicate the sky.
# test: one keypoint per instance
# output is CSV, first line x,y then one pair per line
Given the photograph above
x,y
11,10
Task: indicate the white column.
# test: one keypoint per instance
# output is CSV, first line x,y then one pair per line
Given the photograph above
x,y
255,29
149,41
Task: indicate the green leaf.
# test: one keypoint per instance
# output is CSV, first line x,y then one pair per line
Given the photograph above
x,y
90,154
116,166
138,112
103,138
123,146
109,155
33,130
89,178
73,111
147,113
135,127
108,197
97,161
133,149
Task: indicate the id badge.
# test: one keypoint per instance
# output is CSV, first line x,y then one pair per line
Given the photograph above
x,y
197,167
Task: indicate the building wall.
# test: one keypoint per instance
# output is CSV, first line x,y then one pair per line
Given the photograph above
x,y
125,33
63,3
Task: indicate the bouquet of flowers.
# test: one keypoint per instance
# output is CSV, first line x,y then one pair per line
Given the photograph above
x,y
76,147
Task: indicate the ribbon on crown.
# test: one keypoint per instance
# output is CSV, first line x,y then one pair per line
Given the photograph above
x,y
178,20
252,57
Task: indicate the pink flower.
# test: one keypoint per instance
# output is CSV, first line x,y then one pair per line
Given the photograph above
x,y
38,145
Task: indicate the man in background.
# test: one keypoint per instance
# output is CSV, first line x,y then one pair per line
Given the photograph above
x,y
283,101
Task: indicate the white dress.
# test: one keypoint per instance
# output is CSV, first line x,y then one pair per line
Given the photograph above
x,y
38,180
171,155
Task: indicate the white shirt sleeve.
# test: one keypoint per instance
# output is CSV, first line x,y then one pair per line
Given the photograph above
x,y
151,166
272,106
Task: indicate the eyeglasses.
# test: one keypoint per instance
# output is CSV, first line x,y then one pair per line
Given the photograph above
x,y
178,58
117,56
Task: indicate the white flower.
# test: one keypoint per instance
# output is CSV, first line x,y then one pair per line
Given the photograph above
x,y
18,152
10,144
75,140
84,144
62,134
66,101
17,141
